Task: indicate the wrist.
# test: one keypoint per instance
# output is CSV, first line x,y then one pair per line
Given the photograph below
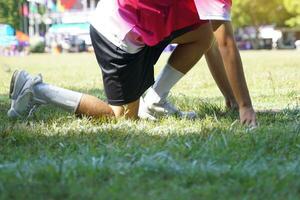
x,y
245,105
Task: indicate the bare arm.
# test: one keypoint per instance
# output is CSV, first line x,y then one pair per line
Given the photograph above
x,y
216,66
234,70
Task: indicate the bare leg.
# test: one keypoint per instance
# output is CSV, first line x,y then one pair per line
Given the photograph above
x,y
94,107
191,47
81,104
129,111
188,52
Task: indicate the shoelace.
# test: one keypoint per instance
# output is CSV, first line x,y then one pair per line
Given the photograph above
x,y
34,108
31,108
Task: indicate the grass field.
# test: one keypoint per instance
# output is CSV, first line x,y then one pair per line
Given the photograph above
x,y
58,156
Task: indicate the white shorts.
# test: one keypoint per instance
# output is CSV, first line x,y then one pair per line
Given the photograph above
x,y
214,9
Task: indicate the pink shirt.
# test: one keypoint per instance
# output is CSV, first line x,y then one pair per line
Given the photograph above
x,y
107,21
155,20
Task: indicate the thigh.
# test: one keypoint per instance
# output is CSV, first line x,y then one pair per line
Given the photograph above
x,y
223,31
216,24
200,33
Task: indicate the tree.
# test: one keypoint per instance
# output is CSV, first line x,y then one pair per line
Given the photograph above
x,y
259,12
293,7
10,12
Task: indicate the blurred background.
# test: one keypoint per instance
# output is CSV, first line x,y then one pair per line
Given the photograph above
x,y
61,26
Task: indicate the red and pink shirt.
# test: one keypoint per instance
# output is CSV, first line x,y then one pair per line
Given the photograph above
x,y
155,20
130,24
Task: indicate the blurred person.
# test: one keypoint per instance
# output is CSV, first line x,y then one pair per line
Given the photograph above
x,y
127,45
224,51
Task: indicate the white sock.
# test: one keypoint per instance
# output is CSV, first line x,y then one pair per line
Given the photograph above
x,y
63,98
167,78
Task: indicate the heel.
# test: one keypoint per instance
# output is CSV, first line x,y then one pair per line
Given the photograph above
x,y
12,83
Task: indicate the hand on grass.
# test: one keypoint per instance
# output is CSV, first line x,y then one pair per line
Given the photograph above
x,y
248,116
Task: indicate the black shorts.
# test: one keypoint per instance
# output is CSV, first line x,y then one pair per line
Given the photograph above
x,y
127,76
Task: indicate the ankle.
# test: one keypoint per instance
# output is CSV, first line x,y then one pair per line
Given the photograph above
x,y
152,97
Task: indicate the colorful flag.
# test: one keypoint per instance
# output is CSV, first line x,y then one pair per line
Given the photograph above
x,y
68,4
25,10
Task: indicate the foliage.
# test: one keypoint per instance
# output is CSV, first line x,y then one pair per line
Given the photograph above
x,y
58,156
10,12
259,12
37,45
293,7
38,48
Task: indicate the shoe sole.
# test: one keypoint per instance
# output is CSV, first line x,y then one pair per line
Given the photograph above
x,y
11,112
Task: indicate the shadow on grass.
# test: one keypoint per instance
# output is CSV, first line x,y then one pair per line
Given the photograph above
x,y
204,107
57,136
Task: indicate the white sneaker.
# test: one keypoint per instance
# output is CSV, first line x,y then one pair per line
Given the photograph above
x,y
144,113
167,109
152,111
23,103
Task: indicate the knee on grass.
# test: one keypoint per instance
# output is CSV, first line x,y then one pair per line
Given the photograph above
x,y
128,111
91,106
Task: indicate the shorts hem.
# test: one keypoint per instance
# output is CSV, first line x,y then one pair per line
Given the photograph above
x,y
121,102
